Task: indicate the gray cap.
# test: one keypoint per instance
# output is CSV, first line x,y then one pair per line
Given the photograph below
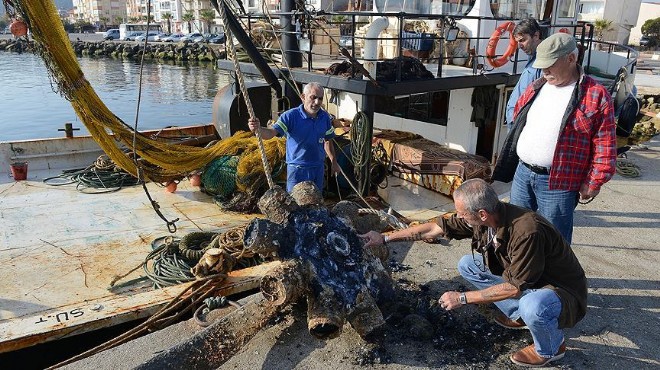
x,y
553,48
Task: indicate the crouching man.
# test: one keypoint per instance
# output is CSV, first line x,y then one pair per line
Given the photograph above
x,y
519,262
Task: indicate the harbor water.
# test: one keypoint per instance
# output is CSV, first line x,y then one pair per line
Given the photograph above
x,y
172,94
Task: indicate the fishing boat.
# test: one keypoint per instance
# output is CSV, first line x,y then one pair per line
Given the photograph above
x,y
61,248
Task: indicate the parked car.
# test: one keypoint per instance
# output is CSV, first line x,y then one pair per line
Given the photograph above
x,y
132,36
645,41
191,36
111,34
218,39
161,36
151,36
175,37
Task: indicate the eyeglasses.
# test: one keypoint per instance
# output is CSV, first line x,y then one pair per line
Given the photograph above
x,y
482,248
314,97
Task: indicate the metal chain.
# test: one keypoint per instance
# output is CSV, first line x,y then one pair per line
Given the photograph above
x,y
241,83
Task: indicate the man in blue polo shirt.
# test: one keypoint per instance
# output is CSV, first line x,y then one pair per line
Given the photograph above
x,y
308,129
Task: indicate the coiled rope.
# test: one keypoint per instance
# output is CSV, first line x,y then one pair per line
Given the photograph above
x,y
627,168
167,267
101,177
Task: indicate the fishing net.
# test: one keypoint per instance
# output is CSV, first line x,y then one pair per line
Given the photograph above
x,y
219,177
159,160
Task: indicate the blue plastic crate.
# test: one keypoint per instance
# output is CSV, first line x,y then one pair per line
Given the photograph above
x,y
417,41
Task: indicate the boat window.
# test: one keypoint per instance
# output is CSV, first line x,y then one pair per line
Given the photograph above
x,y
430,107
518,9
446,7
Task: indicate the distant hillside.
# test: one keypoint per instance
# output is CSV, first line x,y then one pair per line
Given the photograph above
x,y
60,4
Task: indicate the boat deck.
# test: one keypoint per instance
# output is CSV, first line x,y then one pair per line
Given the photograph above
x,y
60,249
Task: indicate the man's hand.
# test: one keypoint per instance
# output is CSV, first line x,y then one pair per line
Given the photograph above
x,y
450,300
254,124
587,193
372,238
335,168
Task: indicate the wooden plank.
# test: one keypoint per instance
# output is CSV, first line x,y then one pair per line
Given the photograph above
x,y
61,249
83,317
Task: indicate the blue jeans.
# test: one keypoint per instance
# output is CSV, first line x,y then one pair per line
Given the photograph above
x,y
296,174
530,190
539,308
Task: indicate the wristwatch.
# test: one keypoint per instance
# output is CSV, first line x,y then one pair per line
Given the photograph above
x,y
462,298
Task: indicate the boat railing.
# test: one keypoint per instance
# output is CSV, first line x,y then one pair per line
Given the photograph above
x,y
323,34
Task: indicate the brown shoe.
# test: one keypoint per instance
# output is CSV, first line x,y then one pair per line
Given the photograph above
x,y
529,358
506,322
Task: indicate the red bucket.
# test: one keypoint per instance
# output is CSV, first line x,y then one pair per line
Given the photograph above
x,y
19,170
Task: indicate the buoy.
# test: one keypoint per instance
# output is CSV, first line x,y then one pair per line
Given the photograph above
x,y
171,186
196,180
18,28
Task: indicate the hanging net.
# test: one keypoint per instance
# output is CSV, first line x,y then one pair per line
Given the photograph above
x,y
159,160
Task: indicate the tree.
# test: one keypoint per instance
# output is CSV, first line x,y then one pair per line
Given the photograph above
x,y
149,19
104,21
651,28
118,20
601,26
168,17
134,19
188,18
207,16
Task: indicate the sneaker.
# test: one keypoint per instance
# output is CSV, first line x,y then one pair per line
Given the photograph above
x,y
506,322
529,358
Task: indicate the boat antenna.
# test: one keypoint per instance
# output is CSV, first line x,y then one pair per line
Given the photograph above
x,y
231,49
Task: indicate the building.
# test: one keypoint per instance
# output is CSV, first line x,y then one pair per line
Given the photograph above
x,y
197,8
648,10
100,12
622,13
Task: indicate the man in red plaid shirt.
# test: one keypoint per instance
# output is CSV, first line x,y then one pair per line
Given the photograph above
x,y
562,147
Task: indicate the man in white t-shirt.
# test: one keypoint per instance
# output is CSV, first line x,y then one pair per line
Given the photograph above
x,y
563,144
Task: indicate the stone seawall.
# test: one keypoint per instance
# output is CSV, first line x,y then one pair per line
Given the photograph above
x,y
182,51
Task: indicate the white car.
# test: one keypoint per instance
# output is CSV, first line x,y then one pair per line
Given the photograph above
x,y
150,37
191,36
175,37
132,36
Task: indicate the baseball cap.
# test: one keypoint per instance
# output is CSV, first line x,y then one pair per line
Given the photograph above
x,y
552,48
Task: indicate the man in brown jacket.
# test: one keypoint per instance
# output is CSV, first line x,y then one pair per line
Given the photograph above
x,y
522,265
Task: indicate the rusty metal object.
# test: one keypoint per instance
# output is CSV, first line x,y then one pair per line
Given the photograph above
x,y
366,317
283,284
306,194
276,204
325,316
325,260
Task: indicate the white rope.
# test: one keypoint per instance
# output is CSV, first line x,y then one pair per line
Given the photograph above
x,y
241,83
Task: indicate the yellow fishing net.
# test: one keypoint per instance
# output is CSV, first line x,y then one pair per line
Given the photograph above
x,y
163,160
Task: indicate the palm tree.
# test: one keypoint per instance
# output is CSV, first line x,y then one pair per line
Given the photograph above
x,y
134,19
207,16
188,18
104,21
119,20
601,26
168,17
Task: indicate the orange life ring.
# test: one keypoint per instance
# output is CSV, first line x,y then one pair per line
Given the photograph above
x,y
492,45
